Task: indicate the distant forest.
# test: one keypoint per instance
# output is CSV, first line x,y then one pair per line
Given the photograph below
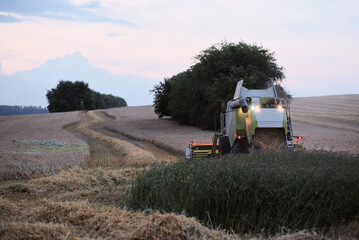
x,y
19,110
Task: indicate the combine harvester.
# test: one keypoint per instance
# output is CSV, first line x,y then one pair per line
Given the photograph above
x,y
255,120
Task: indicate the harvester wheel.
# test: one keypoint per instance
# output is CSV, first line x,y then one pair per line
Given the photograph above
x,y
224,146
240,146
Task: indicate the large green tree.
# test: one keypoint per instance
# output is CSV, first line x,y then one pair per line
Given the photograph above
x,y
70,96
194,96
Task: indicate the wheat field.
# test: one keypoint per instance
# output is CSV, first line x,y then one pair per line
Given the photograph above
x,y
37,145
330,122
66,175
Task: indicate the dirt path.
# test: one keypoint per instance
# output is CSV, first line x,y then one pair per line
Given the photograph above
x,y
109,148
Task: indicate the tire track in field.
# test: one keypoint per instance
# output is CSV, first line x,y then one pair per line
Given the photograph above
x,y
111,149
157,152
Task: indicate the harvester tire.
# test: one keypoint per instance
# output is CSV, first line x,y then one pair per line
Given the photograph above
x,y
240,146
224,146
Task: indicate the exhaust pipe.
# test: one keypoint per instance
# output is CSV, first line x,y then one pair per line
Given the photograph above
x,y
239,103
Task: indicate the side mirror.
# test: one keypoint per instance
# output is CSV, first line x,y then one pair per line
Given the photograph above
x,y
223,108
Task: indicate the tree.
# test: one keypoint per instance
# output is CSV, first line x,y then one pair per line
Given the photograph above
x,y
194,97
71,96
103,101
161,92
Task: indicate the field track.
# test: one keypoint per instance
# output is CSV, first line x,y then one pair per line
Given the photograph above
x,y
109,148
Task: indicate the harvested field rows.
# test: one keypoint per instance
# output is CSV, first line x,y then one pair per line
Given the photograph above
x,y
330,122
57,185
109,151
142,123
124,153
37,145
341,112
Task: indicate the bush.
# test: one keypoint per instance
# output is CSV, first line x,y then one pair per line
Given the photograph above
x,y
259,193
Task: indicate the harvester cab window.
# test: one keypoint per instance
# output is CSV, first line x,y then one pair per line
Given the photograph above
x,y
269,102
256,103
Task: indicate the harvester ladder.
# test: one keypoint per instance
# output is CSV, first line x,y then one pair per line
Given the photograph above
x,y
289,136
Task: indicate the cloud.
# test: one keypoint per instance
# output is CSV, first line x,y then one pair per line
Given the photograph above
x,y
115,34
85,3
58,9
9,19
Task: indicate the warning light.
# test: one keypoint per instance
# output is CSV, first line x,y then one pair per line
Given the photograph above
x,y
239,137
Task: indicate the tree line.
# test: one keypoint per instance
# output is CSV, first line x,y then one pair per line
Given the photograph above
x,y
19,110
71,96
194,96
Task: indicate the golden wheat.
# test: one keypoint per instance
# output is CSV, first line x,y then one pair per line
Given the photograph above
x,y
59,219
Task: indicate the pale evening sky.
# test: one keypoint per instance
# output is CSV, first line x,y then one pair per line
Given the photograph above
x,y
317,42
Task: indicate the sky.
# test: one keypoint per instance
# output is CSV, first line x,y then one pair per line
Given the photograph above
x,y
317,42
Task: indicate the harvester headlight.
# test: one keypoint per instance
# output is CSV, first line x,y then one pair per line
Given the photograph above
x,y
255,108
280,108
